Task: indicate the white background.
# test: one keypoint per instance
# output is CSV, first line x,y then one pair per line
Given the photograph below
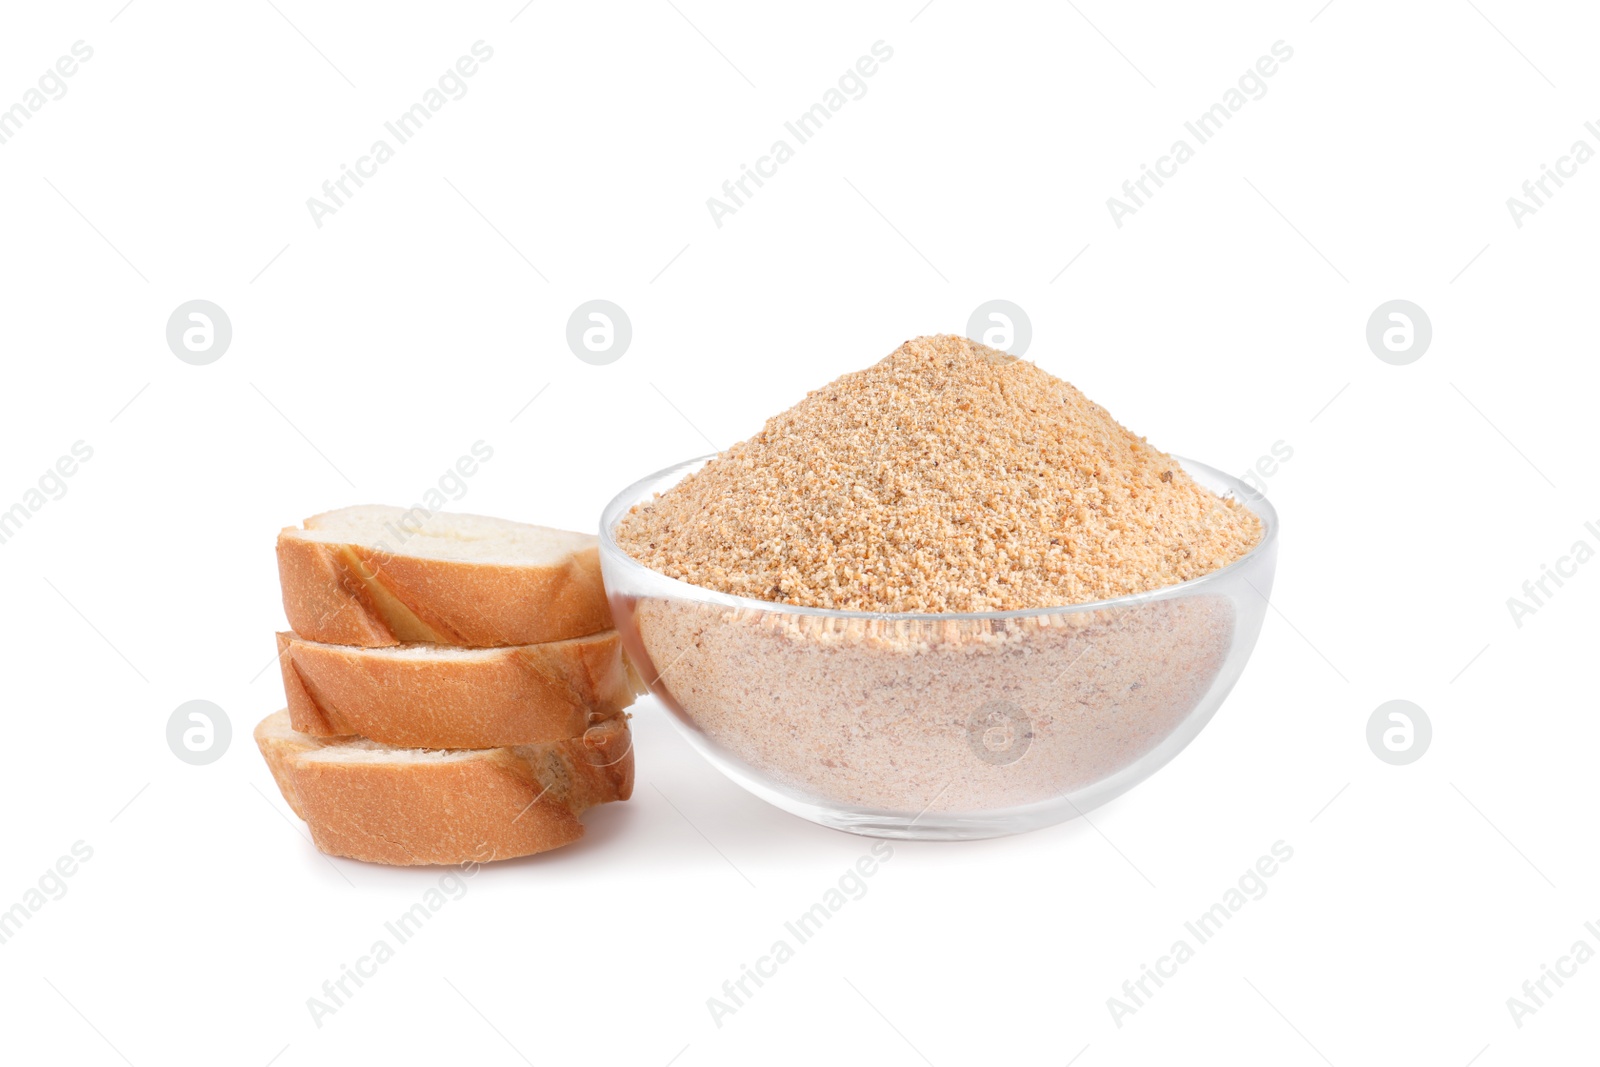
x,y
1225,316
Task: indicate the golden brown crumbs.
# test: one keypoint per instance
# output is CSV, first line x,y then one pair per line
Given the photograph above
x,y
948,477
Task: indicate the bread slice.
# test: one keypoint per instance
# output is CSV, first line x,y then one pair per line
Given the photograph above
x,y
378,576
437,696
410,806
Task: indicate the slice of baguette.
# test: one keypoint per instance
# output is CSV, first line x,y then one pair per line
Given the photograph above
x,y
436,696
376,576
408,806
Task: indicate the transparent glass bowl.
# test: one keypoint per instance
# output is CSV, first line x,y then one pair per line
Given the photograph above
x,y
940,726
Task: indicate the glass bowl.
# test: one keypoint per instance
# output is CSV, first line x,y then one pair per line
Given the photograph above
x,y
940,726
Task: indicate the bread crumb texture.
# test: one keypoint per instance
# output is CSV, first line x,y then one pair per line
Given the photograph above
x,y
957,715
948,477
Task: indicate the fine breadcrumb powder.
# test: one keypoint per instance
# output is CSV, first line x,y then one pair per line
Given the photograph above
x,y
916,716
949,477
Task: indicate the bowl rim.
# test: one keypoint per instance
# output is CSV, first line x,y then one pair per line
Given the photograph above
x,y
1257,502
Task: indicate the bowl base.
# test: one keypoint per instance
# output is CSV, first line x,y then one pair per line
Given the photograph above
x,y
929,827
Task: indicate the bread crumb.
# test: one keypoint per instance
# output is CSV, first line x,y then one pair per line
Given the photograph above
x,y
888,714
948,477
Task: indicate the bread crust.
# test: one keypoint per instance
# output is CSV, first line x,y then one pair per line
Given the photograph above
x,y
490,698
349,594
402,807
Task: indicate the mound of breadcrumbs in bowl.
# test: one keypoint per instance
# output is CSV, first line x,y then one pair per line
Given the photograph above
x,y
949,478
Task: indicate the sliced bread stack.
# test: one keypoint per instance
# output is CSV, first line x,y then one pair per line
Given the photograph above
x,y
455,690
